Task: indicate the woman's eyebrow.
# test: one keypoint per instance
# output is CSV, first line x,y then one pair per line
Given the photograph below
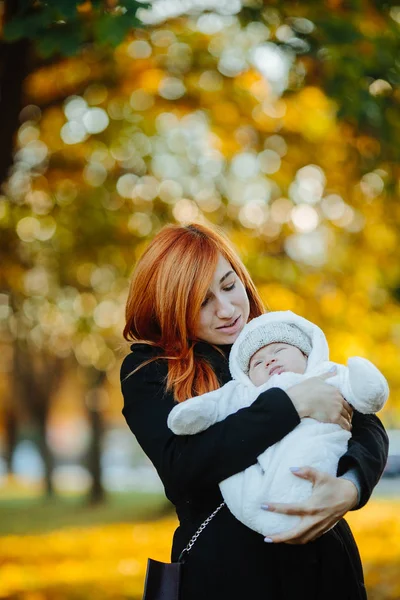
x,y
225,276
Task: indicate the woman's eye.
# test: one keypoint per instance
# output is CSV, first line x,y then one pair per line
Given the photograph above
x,y
229,288
205,302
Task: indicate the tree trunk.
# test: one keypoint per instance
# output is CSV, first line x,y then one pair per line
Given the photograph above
x,y
13,70
11,436
36,378
96,494
47,457
94,407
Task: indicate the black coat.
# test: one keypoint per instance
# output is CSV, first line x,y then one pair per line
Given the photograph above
x,y
229,560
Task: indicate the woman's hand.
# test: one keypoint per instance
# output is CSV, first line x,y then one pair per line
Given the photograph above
x,y
317,399
330,500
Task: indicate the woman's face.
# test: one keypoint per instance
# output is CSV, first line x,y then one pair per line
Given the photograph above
x,y
225,309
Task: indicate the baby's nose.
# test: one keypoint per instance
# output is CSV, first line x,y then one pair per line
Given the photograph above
x,y
270,361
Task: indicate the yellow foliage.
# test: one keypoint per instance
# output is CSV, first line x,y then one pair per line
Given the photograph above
x,y
377,531
150,80
333,303
250,78
110,557
367,146
381,238
311,113
225,113
110,561
61,78
244,244
344,344
277,297
265,123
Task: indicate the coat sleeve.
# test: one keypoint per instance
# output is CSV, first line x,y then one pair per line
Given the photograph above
x,y
189,463
367,453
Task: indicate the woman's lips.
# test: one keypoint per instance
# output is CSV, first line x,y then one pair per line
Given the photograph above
x,y
232,328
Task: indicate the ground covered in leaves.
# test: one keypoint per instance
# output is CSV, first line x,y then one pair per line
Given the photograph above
x,y
108,562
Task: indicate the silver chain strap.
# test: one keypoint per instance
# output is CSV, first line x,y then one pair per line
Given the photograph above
x,y
200,529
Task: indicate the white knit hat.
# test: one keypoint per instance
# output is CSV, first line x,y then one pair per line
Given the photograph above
x,y
268,334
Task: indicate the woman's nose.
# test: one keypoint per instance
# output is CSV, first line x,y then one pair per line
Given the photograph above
x,y
225,310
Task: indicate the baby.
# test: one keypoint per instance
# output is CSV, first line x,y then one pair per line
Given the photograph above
x,y
280,349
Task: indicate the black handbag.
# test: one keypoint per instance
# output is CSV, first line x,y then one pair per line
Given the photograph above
x,y
163,580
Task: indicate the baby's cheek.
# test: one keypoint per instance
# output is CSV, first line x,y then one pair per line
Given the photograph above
x,y
260,377
302,365
252,378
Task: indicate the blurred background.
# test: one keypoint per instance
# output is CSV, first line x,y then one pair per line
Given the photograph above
x,y
279,122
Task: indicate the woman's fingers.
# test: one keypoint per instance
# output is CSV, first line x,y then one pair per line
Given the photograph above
x,y
288,537
347,410
309,529
308,473
286,509
348,407
296,509
309,535
331,499
345,414
344,423
347,419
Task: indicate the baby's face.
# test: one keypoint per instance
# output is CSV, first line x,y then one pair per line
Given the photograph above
x,y
274,359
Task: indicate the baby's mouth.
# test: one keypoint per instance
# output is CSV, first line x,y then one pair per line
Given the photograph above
x,y
276,370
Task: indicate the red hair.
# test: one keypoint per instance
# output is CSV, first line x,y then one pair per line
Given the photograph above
x,y
168,286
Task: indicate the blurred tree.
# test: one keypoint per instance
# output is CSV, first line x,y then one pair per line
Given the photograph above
x,y
10,420
95,406
204,118
349,49
33,31
14,67
63,26
35,381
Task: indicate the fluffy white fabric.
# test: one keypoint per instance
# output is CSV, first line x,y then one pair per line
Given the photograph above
x,y
311,443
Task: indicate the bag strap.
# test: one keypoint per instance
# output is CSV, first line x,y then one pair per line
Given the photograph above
x,y
198,532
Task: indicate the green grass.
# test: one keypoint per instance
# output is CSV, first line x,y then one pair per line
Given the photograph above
x,y
25,515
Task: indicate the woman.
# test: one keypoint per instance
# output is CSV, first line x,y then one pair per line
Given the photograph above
x,y
190,296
